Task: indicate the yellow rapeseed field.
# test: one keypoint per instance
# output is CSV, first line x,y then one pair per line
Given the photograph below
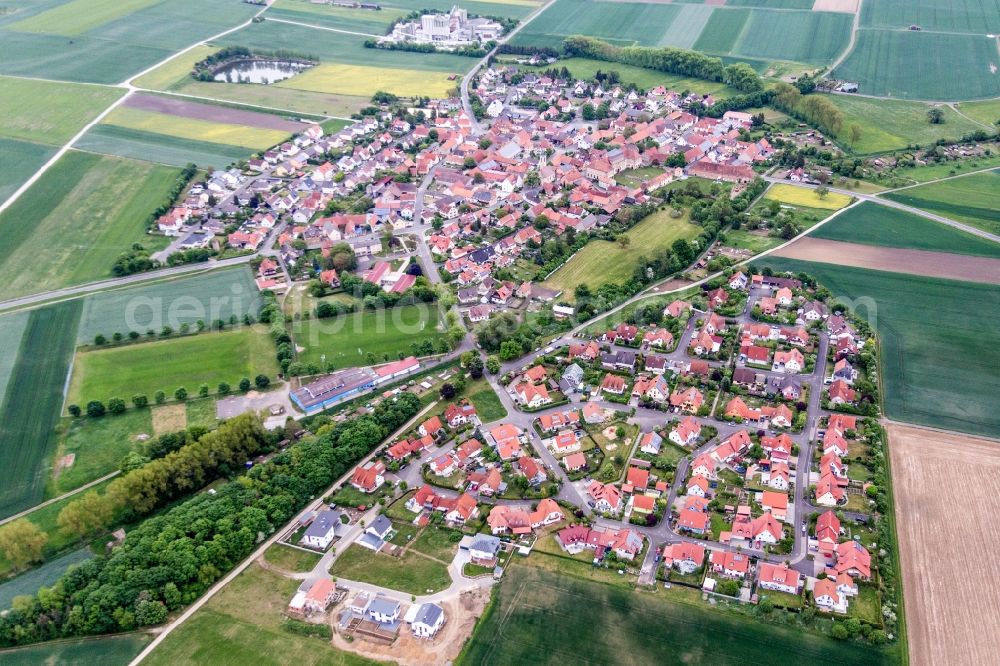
x,y
192,128
794,195
364,81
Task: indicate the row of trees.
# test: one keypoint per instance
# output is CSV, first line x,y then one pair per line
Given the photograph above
x,y
814,109
116,405
169,560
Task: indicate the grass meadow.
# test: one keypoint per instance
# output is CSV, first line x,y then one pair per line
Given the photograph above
x,y
986,112
217,294
410,573
49,112
291,559
165,365
969,199
888,124
31,404
104,650
872,224
74,222
346,340
604,261
938,365
242,625
98,445
563,617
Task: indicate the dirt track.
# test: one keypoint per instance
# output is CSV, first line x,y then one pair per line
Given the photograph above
x,y
218,114
946,488
896,260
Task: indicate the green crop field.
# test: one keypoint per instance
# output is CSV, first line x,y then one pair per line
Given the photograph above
x,y
973,16
31,404
970,199
341,18
938,365
722,31
872,224
160,148
504,8
98,445
536,612
18,161
74,222
809,37
107,651
242,625
683,31
618,22
922,65
601,261
218,294
586,68
888,124
348,339
44,575
193,129
49,112
165,365
78,16
11,331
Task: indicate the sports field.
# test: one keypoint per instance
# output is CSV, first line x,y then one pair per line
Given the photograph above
x,y
105,650
242,625
872,224
193,129
795,195
30,407
938,365
49,112
98,445
365,81
970,199
218,294
601,261
888,124
567,619
165,365
346,340
74,222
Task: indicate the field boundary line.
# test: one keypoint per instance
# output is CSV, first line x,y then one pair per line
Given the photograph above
x,y
323,27
47,502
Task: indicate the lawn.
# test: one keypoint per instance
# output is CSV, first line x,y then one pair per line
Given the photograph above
x,y
291,559
217,294
160,148
538,612
30,407
18,161
49,112
922,65
437,543
194,129
970,199
346,340
485,400
410,573
106,650
201,413
939,368
803,196
586,68
78,16
601,261
242,624
889,124
165,365
872,224
755,241
74,222
98,444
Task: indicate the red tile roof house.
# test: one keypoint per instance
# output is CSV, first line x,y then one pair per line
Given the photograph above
x,y
698,486
827,533
464,509
565,442
369,478
686,432
575,462
625,543
557,420
854,560
829,491
729,564
643,504
775,503
689,400
536,374
684,556
532,396
431,427
637,478
613,384
460,414
444,465
607,498
841,393
827,598
778,577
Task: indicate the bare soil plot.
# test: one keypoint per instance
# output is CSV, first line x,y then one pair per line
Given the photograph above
x,y
210,112
896,260
846,6
169,418
945,486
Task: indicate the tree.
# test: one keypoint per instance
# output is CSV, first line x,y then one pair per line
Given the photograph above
x,y
99,339
84,516
203,390
74,410
22,542
509,350
159,397
854,134
447,391
95,409
132,461
140,400
116,406
492,365
224,388
822,191
181,393
245,384
935,116
839,631
623,240
261,381
476,367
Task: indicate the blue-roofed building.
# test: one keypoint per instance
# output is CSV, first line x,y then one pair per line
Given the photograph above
x,y
428,619
384,610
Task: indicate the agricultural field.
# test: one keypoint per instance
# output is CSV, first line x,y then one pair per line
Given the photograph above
x,y
365,81
98,446
938,367
341,18
346,340
31,403
687,630
74,222
972,16
18,161
160,148
218,294
44,575
888,124
797,196
872,224
586,68
107,651
947,615
922,65
48,112
797,36
970,199
601,261
411,573
165,365
242,625
194,129
11,332
104,41
503,8
986,112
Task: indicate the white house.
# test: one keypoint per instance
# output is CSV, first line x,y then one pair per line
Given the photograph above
x,y
322,530
827,597
779,577
383,610
427,620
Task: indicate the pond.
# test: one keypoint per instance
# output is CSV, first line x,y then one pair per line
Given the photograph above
x,y
259,71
